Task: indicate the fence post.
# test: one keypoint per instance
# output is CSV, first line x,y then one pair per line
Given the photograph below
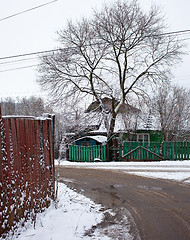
x,y
1,155
120,152
1,171
53,152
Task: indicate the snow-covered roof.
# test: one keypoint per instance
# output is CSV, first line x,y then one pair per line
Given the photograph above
x,y
98,138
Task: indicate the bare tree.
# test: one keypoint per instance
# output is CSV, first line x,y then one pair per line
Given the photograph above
x,y
8,106
32,106
172,109
120,53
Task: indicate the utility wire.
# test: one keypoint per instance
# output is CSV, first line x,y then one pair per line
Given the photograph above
x,y
176,32
19,60
30,66
16,14
67,48
28,54
179,40
37,57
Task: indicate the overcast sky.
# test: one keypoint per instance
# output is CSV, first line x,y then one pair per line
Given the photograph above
x,y
35,31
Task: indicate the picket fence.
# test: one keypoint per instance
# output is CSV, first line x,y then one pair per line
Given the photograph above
x,y
132,151
26,168
155,151
87,154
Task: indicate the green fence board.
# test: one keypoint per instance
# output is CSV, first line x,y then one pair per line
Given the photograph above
x,y
176,150
167,150
153,151
140,153
86,154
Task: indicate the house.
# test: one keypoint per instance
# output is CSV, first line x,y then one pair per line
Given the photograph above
x,y
131,125
108,103
89,141
143,135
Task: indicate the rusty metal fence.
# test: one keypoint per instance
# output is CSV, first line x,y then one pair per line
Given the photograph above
x,y
26,168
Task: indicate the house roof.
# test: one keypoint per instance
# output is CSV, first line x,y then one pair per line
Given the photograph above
x,y
107,102
98,138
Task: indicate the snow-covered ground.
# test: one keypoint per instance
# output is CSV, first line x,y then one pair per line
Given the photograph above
x,y
172,170
73,214
69,218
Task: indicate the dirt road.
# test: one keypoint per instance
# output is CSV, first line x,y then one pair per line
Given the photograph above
x,y
159,209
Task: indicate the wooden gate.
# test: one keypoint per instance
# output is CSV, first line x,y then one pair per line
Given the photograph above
x,y
139,151
154,151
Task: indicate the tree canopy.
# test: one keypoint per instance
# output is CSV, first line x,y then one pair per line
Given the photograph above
x,y
171,107
120,53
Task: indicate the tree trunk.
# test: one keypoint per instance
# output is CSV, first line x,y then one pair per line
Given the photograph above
x,y
110,134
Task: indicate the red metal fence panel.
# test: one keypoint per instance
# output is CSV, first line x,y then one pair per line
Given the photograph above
x,y
26,168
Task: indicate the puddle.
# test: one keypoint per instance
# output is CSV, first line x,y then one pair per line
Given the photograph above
x,y
118,185
150,188
66,180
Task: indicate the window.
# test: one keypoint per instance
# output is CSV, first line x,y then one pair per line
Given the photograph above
x,y
143,137
140,138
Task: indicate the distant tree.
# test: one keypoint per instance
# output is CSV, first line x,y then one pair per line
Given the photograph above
x,y
120,53
8,106
32,106
72,123
172,109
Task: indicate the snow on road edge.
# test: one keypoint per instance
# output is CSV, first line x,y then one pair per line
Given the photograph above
x,y
172,170
74,214
71,216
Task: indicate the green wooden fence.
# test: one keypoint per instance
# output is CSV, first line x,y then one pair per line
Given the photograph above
x,y
176,150
86,154
131,151
142,151
155,151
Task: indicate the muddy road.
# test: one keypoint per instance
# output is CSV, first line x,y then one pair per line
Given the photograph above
x,y
159,209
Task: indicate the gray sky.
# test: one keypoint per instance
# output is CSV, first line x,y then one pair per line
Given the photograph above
x,y
35,31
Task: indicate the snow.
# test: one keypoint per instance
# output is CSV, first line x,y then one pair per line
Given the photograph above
x,y
172,170
99,138
179,176
73,214
69,218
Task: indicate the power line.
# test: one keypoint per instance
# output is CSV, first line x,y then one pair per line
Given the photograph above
x,y
179,40
28,54
36,58
16,14
30,66
19,60
31,59
55,50
176,32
